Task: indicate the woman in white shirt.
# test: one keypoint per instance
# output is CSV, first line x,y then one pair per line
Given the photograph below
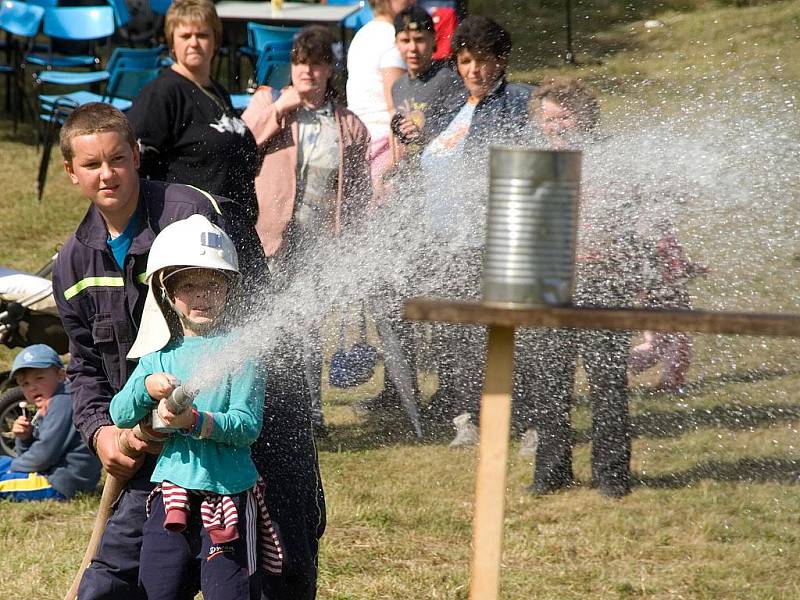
x,y
373,65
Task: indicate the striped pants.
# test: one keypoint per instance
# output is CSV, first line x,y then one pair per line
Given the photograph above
x,y
24,487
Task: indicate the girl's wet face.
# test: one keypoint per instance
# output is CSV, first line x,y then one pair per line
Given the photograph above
x,y
199,294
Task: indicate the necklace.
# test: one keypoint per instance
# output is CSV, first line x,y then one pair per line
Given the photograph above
x,y
216,97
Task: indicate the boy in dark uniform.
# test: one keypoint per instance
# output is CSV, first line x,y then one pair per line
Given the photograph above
x,y
99,287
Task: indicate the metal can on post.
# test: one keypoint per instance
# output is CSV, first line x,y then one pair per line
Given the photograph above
x,y
531,226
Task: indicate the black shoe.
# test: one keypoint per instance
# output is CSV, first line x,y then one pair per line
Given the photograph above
x,y
543,488
615,492
613,487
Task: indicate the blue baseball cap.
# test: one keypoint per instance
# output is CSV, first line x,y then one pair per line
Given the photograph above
x,y
38,356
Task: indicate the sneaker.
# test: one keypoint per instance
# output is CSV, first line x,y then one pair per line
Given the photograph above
x,y
466,432
529,443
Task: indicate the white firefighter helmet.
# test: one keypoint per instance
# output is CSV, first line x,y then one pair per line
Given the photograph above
x,y
193,242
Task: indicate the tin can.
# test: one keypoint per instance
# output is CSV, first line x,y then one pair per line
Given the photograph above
x,y
531,226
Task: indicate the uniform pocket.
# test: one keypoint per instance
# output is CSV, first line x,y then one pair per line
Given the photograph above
x,y
105,343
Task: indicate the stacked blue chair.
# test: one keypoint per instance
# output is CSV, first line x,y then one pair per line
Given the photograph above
x,y
73,23
123,86
21,23
121,13
258,36
131,58
273,69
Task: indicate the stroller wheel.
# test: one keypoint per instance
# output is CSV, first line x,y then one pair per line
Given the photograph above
x,y
9,411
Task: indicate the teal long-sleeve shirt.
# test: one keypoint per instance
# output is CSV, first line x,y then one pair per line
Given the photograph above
x,y
218,463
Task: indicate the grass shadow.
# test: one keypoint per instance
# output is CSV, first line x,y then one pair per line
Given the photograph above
x,y
755,470
376,430
702,384
736,417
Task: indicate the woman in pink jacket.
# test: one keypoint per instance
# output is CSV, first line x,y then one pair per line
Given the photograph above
x,y
313,176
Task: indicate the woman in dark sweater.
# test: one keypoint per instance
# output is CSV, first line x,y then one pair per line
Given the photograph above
x,y
187,128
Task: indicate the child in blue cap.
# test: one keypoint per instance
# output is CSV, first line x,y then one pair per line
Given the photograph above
x,y
52,461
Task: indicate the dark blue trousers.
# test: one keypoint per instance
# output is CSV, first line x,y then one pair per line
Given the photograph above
x,y
114,571
175,566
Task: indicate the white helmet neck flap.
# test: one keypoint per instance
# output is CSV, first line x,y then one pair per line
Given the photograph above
x,y
194,242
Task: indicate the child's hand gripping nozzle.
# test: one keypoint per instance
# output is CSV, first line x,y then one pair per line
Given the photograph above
x,y
181,398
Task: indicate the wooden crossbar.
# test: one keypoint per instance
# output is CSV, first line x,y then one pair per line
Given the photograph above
x,y
572,317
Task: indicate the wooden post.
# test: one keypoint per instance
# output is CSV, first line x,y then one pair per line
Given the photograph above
x,y
495,419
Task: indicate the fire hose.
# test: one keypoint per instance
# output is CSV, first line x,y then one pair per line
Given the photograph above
x,y
178,401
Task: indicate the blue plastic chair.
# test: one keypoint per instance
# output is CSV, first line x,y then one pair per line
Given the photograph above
x,y
274,65
258,36
121,13
358,19
123,86
74,23
21,22
44,3
130,58
273,68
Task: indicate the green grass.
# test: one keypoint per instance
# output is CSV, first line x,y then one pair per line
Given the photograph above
x,y
714,514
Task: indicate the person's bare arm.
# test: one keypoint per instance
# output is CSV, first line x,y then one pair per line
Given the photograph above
x,y
390,75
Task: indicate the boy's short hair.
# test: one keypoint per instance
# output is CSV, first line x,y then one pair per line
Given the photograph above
x,y
571,93
481,35
37,356
313,45
92,118
414,18
192,11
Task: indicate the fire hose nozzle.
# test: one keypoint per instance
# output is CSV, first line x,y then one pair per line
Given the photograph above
x,y
178,401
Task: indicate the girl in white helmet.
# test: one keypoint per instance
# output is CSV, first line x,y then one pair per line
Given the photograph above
x,y
203,514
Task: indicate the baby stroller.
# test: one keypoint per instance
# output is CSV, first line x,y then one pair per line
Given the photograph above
x,y
28,315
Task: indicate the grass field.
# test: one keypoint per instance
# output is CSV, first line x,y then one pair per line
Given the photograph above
x,y
714,514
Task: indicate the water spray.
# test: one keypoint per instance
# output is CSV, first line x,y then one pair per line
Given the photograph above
x,y
642,169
